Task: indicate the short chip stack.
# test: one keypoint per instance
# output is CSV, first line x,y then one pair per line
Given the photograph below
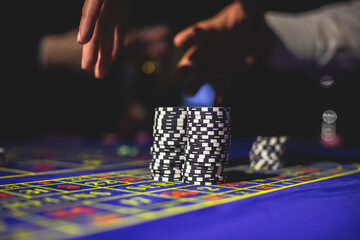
x,y
169,143
206,152
267,153
3,161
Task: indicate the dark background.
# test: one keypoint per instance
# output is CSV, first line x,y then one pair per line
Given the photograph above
x,y
263,101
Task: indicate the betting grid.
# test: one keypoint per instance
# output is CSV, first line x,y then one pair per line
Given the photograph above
x,y
77,206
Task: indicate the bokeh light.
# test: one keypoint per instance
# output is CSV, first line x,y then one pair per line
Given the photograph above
x,y
326,81
123,150
328,131
329,116
148,67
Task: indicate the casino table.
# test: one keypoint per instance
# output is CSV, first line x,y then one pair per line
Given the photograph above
x,y
71,188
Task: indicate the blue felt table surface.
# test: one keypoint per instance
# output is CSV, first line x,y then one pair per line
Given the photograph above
x,y
328,209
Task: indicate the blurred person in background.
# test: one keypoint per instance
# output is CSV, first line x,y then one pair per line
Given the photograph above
x,y
228,50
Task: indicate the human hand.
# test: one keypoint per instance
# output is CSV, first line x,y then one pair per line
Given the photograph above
x,y
102,32
219,48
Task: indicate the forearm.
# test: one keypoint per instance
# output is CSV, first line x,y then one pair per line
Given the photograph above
x,y
328,37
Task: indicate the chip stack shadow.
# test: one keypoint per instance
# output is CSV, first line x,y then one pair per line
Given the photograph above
x,y
169,143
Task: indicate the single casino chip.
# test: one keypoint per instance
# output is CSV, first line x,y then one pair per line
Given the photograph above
x,y
201,166
209,142
166,179
162,146
201,171
167,131
205,169
208,117
203,179
194,110
206,156
166,154
206,129
169,114
201,149
176,108
214,114
165,171
172,119
179,151
208,125
160,166
168,161
188,167
169,148
169,175
209,138
208,134
170,122
208,121
208,164
203,175
172,143
163,137
207,153
170,135
208,109
207,160
169,127
201,183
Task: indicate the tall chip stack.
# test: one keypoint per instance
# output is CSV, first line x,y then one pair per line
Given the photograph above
x,y
268,153
206,152
169,143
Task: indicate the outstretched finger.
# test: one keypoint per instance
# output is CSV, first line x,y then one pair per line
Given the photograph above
x,y
90,13
189,36
106,28
90,51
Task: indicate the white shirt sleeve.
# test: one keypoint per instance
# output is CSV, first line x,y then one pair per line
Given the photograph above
x,y
321,39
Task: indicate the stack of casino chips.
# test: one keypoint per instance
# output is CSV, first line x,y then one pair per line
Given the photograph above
x,y
267,153
169,143
3,160
206,152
